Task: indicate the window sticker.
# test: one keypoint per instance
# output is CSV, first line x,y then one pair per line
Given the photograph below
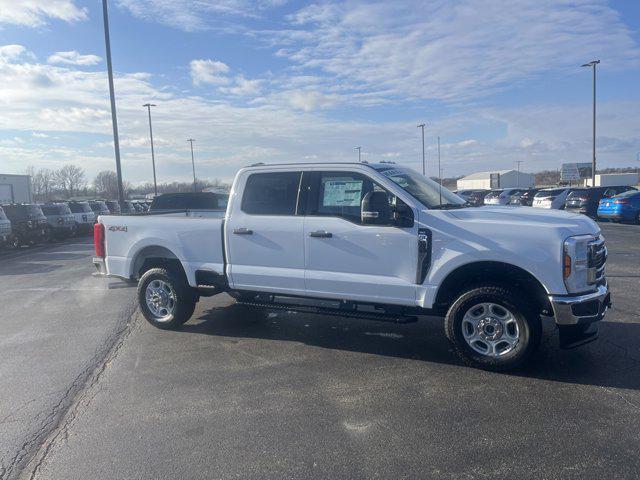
x,y
341,193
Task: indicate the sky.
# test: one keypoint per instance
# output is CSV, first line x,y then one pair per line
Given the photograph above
x,y
289,81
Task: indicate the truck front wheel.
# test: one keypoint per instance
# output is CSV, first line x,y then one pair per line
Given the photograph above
x,y
165,298
493,328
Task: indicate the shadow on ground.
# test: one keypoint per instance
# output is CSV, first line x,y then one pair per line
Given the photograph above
x,y
612,361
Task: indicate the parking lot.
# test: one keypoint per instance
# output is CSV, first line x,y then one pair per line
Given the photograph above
x,y
90,390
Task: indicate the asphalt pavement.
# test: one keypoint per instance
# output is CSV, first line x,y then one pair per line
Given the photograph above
x,y
242,393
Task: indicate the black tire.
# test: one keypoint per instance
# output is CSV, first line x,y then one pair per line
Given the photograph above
x,y
527,320
184,298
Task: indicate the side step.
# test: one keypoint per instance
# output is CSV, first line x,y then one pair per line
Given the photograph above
x,y
336,312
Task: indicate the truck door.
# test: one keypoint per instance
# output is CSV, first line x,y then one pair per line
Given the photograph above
x,y
348,259
264,235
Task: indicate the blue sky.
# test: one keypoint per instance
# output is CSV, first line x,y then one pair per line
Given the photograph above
x,y
280,81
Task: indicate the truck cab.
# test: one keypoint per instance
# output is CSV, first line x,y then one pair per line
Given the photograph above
x,y
377,241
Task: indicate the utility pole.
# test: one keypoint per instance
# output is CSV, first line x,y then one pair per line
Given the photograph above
x,y
424,164
112,96
153,158
439,172
518,162
593,64
359,149
193,164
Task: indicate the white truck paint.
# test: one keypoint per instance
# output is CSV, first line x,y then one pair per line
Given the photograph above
x,y
318,252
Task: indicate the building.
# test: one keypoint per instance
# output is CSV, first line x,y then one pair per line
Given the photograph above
x,y
497,179
611,179
15,188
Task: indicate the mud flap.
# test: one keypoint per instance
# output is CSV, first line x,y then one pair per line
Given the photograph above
x,y
572,336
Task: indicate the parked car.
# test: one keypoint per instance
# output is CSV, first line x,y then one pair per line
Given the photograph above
x,y
372,241
553,198
5,228
191,204
524,198
61,222
114,207
28,223
623,207
474,197
84,216
500,197
587,200
127,208
99,207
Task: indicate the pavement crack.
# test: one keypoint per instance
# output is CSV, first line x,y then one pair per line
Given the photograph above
x,y
38,442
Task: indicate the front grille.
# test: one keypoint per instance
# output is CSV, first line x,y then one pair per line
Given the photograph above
x,y
597,260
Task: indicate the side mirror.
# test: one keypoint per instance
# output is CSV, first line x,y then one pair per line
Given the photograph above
x,y
375,209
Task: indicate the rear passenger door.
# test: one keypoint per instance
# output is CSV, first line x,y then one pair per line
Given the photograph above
x,y
264,234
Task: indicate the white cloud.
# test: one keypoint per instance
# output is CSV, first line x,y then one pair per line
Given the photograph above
x,y
453,51
34,13
73,58
12,52
190,16
309,100
243,87
208,72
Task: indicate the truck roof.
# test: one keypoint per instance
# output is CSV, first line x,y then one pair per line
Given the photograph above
x,y
322,164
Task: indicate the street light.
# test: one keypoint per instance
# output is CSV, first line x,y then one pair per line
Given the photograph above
x,y
593,64
112,96
518,162
359,151
193,164
424,165
153,158
439,172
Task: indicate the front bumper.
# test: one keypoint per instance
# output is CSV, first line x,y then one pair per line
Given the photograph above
x,y
576,309
578,316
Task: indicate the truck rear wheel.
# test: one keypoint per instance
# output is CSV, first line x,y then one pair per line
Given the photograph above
x,y
165,298
493,328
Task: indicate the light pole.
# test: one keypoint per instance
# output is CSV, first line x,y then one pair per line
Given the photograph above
x,y
518,162
593,64
112,96
193,164
153,158
439,172
424,165
359,151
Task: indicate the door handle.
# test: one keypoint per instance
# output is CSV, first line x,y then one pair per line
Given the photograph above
x,y
242,231
321,234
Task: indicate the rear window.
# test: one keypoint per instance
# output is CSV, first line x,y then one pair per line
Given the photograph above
x,y
627,194
80,207
578,193
550,193
58,209
273,193
190,201
494,194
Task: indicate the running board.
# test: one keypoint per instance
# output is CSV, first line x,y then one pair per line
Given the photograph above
x,y
379,317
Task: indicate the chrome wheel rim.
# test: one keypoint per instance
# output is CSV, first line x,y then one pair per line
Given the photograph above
x,y
160,299
490,329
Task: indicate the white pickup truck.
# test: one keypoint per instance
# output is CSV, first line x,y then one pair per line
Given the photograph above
x,y
374,241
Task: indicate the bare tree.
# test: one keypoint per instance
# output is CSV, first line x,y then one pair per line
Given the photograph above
x,y
70,178
41,182
106,184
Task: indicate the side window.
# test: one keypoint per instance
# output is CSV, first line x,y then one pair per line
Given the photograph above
x,y
340,194
274,193
609,192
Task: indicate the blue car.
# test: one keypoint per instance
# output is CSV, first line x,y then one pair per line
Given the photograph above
x,y
624,207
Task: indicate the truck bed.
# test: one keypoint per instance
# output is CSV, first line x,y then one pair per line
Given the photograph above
x,y
195,241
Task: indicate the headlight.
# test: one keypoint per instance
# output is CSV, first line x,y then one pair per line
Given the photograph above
x,y
575,263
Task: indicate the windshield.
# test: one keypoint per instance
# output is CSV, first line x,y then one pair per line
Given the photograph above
x,y
423,189
2,215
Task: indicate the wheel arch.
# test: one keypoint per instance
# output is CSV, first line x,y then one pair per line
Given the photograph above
x,y
153,256
501,273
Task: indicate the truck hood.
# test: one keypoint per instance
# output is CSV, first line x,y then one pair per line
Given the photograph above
x,y
502,217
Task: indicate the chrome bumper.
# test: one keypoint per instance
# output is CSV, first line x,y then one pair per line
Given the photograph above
x,y
587,308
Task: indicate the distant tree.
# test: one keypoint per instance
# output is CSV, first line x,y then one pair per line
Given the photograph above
x,y
69,179
106,184
41,182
